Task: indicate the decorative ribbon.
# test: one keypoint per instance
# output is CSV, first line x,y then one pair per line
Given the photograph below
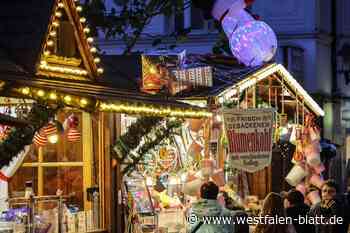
x,y
4,177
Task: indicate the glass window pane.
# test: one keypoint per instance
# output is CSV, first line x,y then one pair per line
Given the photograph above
x,y
17,182
68,179
32,155
197,20
64,150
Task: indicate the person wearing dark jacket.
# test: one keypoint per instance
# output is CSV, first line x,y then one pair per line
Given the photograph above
x,y
330,208
295,207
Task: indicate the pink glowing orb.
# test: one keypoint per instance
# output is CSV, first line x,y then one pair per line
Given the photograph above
x,y
253,43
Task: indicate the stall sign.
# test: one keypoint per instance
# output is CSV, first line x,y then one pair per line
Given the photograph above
x,y
249,133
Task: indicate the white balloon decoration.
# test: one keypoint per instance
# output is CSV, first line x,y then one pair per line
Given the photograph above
x,y
252,42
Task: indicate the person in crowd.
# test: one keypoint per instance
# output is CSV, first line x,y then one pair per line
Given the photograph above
x,y
295,207
208,205
330,208
273,206
239,212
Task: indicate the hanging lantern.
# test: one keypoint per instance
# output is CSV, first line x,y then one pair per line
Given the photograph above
x,y
73,135
40,138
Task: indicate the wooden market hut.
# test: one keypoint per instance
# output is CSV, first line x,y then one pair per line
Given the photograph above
x,y
46,54
270,85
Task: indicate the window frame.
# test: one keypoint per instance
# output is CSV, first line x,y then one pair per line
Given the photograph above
x,y
86,164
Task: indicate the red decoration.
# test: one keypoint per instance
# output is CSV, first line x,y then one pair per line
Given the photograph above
x,y
249,2
50,129
40,138
73,121
73,135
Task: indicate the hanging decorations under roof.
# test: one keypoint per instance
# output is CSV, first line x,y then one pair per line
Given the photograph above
x,y
69,52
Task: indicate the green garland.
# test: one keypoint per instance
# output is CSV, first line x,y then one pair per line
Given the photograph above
x,y
19,137
131,139
151,131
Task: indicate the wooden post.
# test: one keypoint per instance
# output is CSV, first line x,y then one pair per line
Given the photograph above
x,y
207,130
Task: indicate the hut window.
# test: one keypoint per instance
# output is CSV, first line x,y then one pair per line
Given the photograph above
x,y
57,166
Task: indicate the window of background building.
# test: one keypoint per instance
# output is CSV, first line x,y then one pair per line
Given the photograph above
x,y
193,18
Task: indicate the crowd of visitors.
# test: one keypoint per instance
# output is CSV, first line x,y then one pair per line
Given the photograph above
x,y
328,216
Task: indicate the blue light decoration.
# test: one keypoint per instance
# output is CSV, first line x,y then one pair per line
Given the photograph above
x,y
252,42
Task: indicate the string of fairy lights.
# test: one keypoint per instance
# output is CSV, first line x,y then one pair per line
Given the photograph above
x,y
49,47
119,106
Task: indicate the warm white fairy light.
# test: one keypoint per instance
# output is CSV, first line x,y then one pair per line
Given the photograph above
x,y
152,110
60,5
50,43
93,50
53,96
83,102
53,33
66,70
82,19
67,99
26,91
100,70
87,30
97,60
40,93
56,23
58,14
90,39
79,9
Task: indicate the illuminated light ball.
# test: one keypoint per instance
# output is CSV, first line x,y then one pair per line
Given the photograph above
x,y
97,60
26,91
100,70
53,139
53,96
40,93
83,102
253,43
235,19
67,99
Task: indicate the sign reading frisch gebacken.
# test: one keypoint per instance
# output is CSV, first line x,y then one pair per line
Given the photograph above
x,y
250,137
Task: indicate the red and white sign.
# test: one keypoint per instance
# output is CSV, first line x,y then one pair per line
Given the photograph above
x,y
250,134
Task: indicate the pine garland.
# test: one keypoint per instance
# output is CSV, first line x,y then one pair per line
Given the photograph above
x,y
149,130
131,139
19,137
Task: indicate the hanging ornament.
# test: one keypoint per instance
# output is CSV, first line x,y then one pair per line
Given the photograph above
x,y
73,135
50,129
73,121
40,138
252,42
